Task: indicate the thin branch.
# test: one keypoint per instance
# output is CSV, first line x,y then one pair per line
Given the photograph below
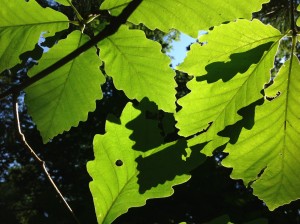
x,y
110,29
36,157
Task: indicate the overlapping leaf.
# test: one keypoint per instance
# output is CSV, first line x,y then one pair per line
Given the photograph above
x,y
272,145
186,16
21,25
125,178
62,99
225,40
139,68
230,71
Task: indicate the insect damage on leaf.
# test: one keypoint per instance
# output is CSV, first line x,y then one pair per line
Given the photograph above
x,y
119,162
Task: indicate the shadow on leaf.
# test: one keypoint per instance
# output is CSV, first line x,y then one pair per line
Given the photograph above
x,y
146,133
166,164
248,114
239,63
233,131
30,58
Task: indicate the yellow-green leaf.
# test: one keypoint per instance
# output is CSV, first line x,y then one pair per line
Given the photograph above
x,y
186,16
139,68
230,71
62,99
21,25
268,154
125,175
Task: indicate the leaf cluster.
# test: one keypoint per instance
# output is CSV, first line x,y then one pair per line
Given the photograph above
x,y
241,102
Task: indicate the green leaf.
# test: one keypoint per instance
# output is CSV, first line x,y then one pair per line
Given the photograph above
x,y
125,178
268,153
21,25
187,16
62,99
230,73
219,44
139,68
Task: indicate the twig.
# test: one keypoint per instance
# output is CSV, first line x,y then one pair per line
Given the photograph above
x,y
110,29
36,157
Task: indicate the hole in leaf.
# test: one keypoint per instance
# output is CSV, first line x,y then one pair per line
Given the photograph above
x,y
119,162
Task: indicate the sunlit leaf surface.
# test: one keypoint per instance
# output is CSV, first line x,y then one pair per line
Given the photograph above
x,y
139,68
124,177
229,74
186,16
21,25
62,99
268,154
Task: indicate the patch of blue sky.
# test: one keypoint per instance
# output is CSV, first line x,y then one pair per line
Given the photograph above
x,y
180,48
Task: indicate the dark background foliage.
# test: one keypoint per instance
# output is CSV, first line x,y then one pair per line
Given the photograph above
x,y
26,197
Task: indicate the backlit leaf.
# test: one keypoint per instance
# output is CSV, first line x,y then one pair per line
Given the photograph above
x,y
268,154
186,16
124,177
229,74
225,40
139,68
62,99
21,25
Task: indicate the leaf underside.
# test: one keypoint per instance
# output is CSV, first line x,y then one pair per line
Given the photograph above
x,y
229,75
124,177
139,68
268,153
62,99
21,25
187,16
230,65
